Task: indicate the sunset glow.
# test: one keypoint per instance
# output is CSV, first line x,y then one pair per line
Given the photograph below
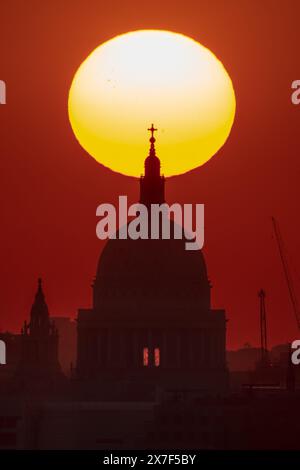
x,y
150,76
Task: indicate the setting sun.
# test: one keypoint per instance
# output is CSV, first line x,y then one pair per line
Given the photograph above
x,y
150,76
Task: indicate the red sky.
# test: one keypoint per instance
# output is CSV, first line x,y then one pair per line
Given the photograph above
x,y
50,187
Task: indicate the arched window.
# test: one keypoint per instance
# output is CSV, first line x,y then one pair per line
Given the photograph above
x,y
146,357
157,357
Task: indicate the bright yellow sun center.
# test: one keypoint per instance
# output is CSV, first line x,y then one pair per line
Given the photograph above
x,y
151,76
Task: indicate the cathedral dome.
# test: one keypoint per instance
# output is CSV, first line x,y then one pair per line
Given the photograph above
x,y
148,277
151,324
133,271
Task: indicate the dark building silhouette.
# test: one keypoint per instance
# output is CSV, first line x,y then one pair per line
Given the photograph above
x,y
151,370
243,359
39,344
151,324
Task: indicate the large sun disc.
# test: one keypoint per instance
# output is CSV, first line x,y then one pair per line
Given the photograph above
x,y
150,76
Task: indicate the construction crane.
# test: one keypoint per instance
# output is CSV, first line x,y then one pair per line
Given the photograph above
x,y
263,327
286,270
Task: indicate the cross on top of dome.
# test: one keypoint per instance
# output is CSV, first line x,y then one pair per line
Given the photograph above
x,y
152,129
152,140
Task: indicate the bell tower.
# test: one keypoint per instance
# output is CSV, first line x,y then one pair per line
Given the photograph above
x,y
39,357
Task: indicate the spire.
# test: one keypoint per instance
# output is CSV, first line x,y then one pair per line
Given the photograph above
x,y
152,141
40,294
152,162
152,184
39,341
39,315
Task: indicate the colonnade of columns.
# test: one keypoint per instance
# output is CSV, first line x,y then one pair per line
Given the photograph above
x,y
178,348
